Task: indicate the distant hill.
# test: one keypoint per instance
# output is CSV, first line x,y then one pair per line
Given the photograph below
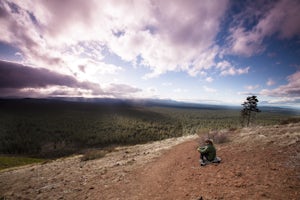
x,y
56,127
286,110
149,103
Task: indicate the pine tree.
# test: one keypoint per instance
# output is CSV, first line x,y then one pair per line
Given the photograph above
x,y
249,110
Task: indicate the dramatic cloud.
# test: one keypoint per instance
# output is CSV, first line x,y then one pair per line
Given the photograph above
x,y
19,28
276,18
160,35
289,91
17,78
72,47
122,90
13,75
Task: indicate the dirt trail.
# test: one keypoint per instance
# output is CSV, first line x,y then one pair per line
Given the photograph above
x,y
258,163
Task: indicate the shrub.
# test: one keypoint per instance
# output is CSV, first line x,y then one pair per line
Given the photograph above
x,y
289,121
218,137
93,154
221,138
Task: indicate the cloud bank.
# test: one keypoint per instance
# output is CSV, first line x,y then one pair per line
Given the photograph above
x,y
160,35
270,18
74,52
17,80
291,89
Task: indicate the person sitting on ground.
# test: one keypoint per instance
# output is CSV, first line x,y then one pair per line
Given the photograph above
x,y
207,152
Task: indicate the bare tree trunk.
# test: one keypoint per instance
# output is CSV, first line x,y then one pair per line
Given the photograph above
x,y
249,117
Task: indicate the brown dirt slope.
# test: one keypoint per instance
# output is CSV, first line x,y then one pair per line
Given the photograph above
x,y
258,163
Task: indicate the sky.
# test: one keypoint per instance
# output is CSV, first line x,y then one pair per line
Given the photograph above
x,y
201,51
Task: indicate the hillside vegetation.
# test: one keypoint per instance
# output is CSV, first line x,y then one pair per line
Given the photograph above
x,y
259,162
51,128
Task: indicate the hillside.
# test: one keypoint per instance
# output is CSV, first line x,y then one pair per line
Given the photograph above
x,y
49,128
258,163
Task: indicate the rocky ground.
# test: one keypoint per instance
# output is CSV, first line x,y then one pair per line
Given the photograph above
x,y
257,163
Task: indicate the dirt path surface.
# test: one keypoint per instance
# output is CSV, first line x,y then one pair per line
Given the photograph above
x,y
257,163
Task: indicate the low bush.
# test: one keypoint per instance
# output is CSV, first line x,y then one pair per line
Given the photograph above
x,y
218,137
290,120
93,154
221,138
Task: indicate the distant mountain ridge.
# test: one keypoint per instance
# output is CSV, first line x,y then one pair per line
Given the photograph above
x,y
147,103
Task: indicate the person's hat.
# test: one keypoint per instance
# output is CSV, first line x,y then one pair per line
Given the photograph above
x,y
209,141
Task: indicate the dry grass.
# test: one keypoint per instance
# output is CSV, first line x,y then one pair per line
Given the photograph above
x,y
93,154
221,138
290,121
218,137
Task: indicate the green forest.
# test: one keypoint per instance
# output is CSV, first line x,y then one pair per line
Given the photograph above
x,y
49,128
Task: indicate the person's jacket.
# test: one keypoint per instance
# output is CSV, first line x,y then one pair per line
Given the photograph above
x,y
209,150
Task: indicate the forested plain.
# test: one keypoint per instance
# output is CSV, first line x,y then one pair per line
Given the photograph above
x,y
54,128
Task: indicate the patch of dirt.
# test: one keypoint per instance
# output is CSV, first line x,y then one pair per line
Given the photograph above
x,y
257,163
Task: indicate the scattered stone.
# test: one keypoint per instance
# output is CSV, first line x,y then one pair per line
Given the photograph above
x,y
239,174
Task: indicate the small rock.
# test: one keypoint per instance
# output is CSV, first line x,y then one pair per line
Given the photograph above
x,y
239,174
263,194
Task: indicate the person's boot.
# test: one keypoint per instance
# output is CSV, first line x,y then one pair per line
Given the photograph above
x,y
202,162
